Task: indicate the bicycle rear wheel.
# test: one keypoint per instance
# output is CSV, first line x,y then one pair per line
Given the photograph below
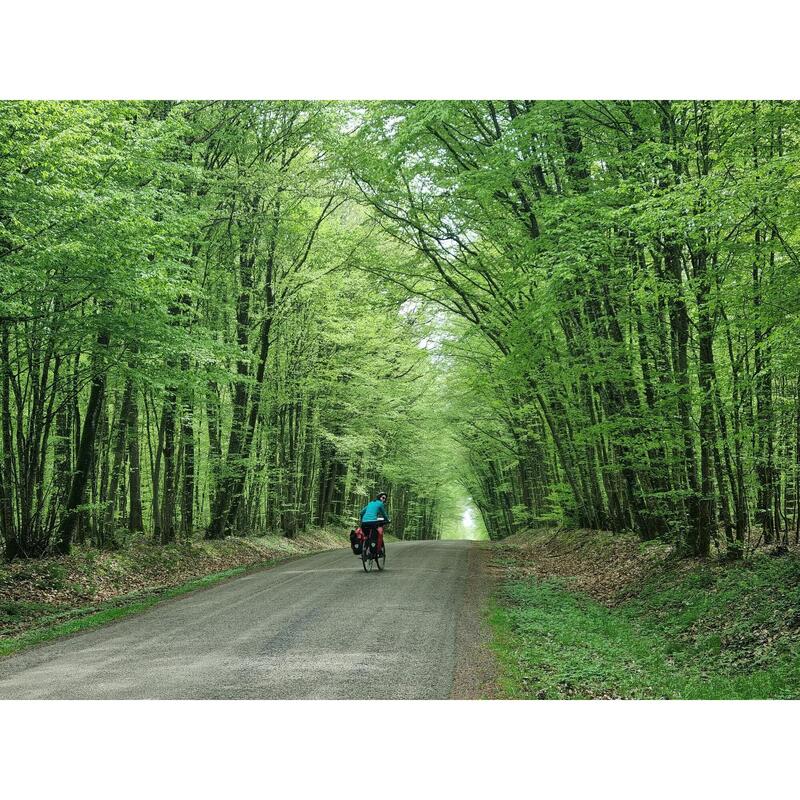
x,y
366,557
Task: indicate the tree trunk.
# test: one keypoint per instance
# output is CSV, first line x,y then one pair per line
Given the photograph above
x,y
84,457
135,517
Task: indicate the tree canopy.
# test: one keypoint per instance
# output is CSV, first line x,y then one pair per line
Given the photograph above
x,y
232,317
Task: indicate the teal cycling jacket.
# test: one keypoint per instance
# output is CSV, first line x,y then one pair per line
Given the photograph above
x,y
373,511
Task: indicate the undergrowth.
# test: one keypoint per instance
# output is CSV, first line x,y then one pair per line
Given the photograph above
x,y
686,630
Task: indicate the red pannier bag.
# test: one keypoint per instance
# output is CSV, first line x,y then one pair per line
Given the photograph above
x,y
356,541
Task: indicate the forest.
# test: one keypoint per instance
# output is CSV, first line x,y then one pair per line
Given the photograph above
x,y
229,318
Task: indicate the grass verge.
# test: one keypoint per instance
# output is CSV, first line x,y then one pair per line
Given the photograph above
x,y
682,630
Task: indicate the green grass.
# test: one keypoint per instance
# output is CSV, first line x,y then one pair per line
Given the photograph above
x,y
712,632
93,616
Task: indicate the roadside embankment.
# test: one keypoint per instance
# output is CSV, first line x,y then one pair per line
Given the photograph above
x,y
591,614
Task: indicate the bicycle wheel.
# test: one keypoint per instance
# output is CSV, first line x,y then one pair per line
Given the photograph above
x,y
366,558
380,559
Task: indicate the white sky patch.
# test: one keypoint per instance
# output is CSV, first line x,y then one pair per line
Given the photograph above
x,y
434,341
468,521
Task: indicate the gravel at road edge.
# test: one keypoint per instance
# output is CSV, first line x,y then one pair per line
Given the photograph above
x,y
475,673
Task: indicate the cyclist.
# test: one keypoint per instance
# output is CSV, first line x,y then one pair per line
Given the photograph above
x,y
374,516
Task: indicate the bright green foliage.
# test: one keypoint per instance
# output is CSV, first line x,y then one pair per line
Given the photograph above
x,y
233,317
621,282
192,341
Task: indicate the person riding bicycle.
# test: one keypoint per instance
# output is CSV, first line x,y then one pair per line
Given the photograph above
x,y
373,516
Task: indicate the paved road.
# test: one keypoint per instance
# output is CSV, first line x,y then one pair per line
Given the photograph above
x,y
317,628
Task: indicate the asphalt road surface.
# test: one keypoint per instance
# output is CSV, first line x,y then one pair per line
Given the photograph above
x,y
316,627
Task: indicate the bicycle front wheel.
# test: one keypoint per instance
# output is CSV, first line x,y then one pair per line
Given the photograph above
x,y
380,559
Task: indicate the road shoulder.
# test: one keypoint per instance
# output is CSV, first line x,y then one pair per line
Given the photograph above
x,y
476,670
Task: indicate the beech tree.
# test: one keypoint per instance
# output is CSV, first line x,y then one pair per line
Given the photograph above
x,y
176,280
627,267
240,317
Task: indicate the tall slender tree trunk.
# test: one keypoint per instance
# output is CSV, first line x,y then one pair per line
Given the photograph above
x,y
700,538
135,516
84,457
188,478
118,458
7,484
168,493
